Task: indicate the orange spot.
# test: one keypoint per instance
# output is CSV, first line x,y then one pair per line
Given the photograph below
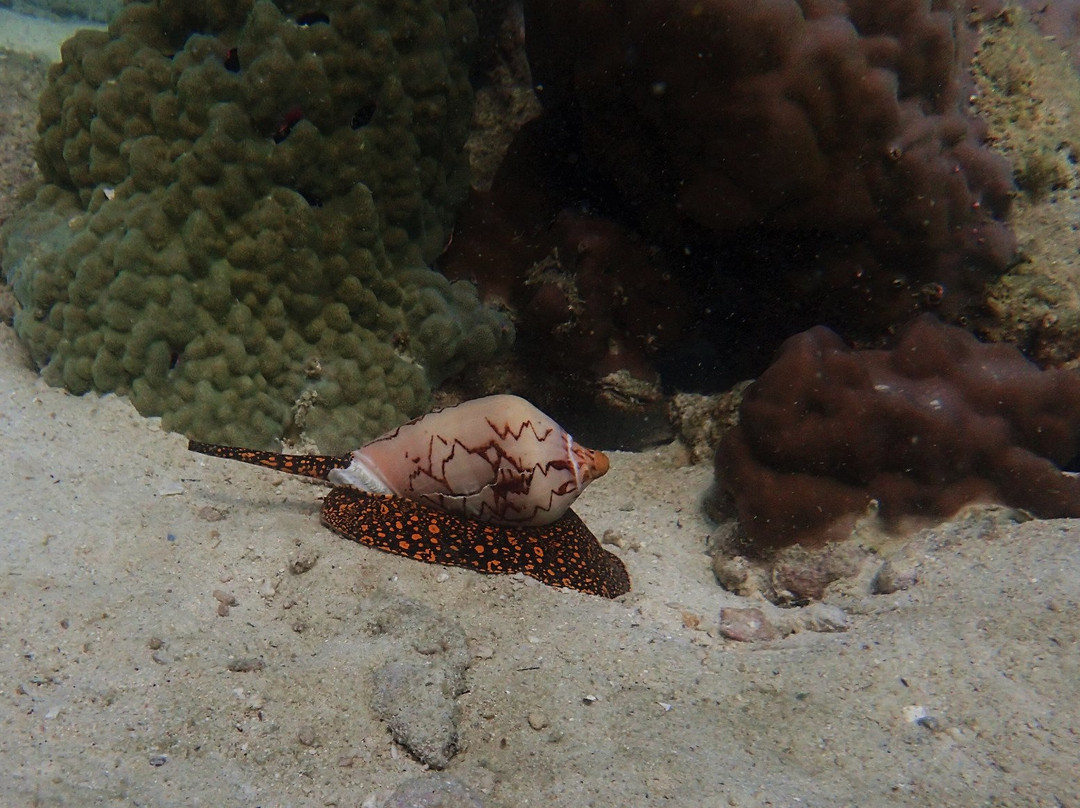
x,y
479,549
601,464
433,528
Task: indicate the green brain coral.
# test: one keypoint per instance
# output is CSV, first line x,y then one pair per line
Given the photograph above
x,y
239,203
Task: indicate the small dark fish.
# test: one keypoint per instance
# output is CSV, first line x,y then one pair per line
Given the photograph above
x,y
292,117
363,115
311,18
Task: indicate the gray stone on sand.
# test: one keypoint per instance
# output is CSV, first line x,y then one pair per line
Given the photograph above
x,y
433,790
416,692
417,699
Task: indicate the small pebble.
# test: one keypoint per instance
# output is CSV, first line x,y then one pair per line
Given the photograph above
x,y
429,645
210,514
158,760
306,735
538,721
432,790
740,575
823,617
615,538
225,597
223,609
915,713
929,722
246,665
303,560
691,620
482,650
746,625
155,643
612,538
894,577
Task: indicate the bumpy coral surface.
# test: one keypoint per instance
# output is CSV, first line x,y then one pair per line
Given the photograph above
x,y
938,421
239,203
794,161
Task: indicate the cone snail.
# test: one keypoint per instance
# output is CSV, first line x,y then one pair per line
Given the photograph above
x,y
496,459
487,484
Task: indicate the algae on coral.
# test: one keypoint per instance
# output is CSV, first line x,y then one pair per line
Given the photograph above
x,y
1029,95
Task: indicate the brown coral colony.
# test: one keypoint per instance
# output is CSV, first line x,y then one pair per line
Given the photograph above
x,y
938,421
768,166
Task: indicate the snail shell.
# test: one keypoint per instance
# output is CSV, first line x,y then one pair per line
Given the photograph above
x,y
496,459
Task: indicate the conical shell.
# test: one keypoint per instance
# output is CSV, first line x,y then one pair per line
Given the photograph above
x,y
496,459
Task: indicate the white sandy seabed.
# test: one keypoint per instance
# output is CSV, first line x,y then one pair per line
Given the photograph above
x,y
36,36
125,681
